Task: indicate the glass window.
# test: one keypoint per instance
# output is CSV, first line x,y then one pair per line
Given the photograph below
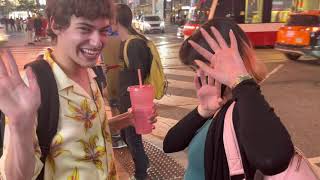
x,y
281,8
152,18
303,20
302,5
254,10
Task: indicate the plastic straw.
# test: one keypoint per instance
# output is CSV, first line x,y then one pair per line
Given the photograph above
x,y
140,79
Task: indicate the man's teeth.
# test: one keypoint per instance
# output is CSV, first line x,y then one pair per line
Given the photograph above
x,y
91,52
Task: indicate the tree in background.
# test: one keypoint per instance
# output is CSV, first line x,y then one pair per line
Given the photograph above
x,y
6,6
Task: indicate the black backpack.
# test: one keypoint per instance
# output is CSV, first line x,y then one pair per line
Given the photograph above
x,y
48,112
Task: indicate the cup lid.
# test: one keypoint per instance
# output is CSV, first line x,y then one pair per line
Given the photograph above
x,y
137,87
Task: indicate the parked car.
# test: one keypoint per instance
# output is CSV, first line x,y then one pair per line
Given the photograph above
x,y
136,22
151,23
3,35
300,35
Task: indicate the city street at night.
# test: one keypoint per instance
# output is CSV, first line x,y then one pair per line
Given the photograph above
x,y
292,88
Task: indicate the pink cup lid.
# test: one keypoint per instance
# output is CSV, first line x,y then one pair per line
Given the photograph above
x,y
137,87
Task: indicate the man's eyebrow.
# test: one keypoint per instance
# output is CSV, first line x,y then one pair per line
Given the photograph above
x,y
86,24
92,26
105,27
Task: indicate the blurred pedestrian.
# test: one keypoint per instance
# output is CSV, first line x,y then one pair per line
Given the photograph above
x,y
37,28
29,31
227,80
6,23
18,24
12,24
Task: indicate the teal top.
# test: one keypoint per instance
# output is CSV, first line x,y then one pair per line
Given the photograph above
x,y
195,169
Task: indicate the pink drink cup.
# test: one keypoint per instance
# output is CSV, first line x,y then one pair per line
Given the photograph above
x,y
142,106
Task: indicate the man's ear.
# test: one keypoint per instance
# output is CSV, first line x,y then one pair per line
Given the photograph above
x,y
54,27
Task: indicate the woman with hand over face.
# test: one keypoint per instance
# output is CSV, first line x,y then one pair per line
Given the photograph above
x,y
227,73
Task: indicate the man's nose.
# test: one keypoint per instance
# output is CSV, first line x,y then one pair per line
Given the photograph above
x,y
96,39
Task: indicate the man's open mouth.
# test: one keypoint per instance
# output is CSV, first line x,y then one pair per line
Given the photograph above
x,y
91,53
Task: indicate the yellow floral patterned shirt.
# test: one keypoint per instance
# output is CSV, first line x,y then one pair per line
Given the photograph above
x,y
82,147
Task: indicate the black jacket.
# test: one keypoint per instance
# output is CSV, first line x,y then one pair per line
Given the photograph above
x,y
264,142
139,57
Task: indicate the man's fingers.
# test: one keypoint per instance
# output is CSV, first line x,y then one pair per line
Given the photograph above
x,y
13,66
212,43
205,53
219,38
33,83
3,69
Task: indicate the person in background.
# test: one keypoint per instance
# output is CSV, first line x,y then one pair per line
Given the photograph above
x,y
37,28
12,24
29,31
227,72
139,57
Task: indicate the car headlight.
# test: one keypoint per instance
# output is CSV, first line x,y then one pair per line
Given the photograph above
x,y
162,24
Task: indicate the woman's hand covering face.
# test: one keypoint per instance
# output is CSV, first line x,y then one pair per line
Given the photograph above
x,y
226,63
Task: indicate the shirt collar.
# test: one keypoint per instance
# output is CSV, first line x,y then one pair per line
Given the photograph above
x,y
63,81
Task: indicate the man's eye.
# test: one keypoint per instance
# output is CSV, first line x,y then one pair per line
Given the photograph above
x,y
84,29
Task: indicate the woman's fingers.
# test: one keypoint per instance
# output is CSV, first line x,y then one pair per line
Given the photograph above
x,y
203,77
211,81
196,82
205,53
233,41
212,43
217,85
219,38
207,69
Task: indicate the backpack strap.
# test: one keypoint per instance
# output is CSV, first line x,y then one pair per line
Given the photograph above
x,y
125,49
231,144
48,112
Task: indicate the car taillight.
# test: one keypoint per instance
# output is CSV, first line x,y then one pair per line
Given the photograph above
x,y
189,27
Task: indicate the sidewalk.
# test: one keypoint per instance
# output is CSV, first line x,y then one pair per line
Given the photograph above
x,y
18,39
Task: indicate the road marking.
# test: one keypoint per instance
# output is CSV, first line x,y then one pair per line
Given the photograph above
x,y
272,72
314,160
181,84
179,72
178,101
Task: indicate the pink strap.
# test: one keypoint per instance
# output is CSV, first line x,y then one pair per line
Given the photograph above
x,y
231,144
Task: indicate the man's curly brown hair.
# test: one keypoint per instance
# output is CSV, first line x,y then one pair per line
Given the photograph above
x,y
61,11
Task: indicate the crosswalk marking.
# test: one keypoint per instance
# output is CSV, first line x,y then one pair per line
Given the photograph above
x,y
179,72
180,84
178,101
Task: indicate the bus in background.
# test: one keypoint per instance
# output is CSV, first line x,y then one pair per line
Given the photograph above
x,y
260,19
